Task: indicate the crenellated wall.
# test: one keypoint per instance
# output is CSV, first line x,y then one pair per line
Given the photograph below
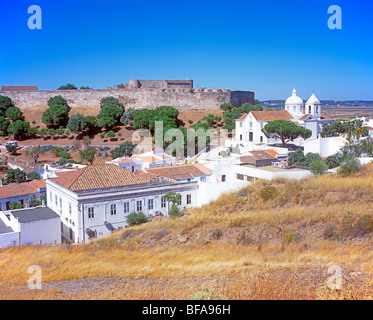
x,y
208,99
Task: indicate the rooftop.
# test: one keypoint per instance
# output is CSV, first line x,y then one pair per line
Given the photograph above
x,y
34,214
183,171
4,228
271,115
14,189
99,177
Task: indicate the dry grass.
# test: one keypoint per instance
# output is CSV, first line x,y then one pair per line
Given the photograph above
x,y
278,248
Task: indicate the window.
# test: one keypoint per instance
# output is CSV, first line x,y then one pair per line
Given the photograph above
x,y
240,176
241,124
241,137
139,205
70,208
203,179
55,199
113,209
189,198
91,212
126,207
223,178
261,138
150,204
163,203
251,124
60,202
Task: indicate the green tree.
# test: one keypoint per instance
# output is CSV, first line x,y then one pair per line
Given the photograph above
x,y
111,100
56,116
127,117
5,104
85,88
318,167
15,176
68,86
11,148
13,113
226,107
172,197
286,131
124,149
78,123
57,101
4,124
87,154
20,129
136,218
33,176
109,116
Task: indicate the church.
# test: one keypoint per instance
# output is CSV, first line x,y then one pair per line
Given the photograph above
x,y
308,115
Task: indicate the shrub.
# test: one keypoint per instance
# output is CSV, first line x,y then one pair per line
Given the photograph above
x,y
318,167
217,234
268,192
35,202
349,166
292,237
136,218
175,211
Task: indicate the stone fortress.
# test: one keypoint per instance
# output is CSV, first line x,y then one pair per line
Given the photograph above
x,y
135,94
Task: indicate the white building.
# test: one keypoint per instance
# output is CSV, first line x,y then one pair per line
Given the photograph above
x,y
31,226
97,199
325,147
308,115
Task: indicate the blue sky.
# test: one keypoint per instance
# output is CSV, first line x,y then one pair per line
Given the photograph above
x,y
268,47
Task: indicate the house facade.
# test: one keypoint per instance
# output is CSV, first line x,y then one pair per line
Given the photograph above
x,y
94,201
308,115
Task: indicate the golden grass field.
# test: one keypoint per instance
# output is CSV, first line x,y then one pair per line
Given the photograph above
x,y
250,244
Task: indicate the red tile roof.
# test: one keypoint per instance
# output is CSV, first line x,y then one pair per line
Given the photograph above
x,y
258,155
99,177
183,171
271,115
14,189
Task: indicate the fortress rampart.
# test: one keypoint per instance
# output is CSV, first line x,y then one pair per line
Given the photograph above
x,y
208,99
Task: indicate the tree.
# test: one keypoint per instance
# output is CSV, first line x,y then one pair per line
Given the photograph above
x,y
226,106
87,154
127,117
285,130
11,148
175,212
109,116
13,113
57,101
56,116
85,88
68,86
111,100
318,167
4,124
78,123
20,129
33,152
124,149
5,104
173,197
34,202
142,118
33,176
296,157
349,166
15,176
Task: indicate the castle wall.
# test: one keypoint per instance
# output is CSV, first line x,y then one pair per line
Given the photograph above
x,y
206,99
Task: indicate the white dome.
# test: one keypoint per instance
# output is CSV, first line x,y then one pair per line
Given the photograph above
x,y
313,100
294,99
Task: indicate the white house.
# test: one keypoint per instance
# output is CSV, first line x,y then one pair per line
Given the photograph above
x,y
95,200
325,147
248,128
39,225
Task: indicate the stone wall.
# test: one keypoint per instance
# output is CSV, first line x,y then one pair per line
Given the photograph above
x,y
208,99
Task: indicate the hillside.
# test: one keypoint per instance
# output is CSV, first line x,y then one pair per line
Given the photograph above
x,y
271,240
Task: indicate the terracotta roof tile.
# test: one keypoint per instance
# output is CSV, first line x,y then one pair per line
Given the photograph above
x,y
271,115
99,177
14,189
180,171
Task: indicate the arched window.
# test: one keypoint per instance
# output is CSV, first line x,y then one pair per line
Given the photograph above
x,y
317,109
309,109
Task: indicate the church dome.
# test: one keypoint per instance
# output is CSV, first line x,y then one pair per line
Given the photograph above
x,y
294,99
313,100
